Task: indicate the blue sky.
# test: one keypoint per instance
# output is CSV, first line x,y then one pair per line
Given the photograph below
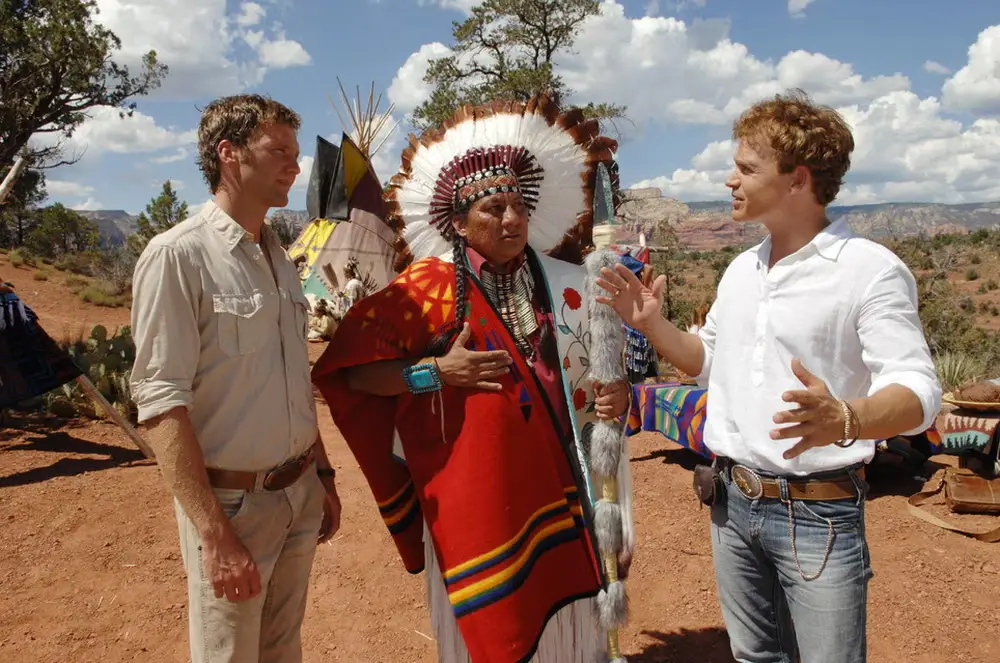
x,y
924,106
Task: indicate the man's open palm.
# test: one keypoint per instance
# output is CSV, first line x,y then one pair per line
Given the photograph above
x,y
637,305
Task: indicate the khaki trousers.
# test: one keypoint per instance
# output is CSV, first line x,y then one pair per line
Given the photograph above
x,y
280,530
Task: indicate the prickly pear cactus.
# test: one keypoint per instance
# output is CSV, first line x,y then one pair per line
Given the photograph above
x,y
107,362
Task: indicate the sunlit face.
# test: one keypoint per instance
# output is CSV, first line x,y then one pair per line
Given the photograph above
x,y
757,187
269,164
496,227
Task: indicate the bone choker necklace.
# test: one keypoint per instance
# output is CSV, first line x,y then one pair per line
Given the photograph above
x,y
511,294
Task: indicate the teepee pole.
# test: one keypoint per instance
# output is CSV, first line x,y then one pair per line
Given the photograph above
x,y
116,416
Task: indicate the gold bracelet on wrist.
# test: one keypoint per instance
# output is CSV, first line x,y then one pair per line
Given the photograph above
x,y
851,423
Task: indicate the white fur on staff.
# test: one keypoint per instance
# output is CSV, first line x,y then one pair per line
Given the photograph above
x,y
608,459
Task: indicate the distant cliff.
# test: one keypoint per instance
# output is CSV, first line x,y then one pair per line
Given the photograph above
x,y
707,225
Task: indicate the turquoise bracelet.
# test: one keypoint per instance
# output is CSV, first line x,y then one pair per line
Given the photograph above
x,y
422,378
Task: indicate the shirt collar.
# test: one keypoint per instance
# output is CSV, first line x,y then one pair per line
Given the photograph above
x,y
831,240
477,262
828,243
232,233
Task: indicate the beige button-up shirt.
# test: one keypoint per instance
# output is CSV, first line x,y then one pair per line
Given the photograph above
x,y
216,334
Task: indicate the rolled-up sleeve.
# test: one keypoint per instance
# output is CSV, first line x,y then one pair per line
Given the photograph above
x,y
892,339
165,330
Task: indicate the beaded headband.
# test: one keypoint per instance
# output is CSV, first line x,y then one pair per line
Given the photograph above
x,y
483,183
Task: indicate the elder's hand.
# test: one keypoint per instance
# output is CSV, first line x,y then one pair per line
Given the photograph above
x,y
611,400
462,367
818,419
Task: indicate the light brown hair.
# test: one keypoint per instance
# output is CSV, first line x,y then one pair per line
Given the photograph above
x,y
237,119
801,133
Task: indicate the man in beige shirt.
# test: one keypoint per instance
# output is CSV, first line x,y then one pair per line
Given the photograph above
x,y
221,380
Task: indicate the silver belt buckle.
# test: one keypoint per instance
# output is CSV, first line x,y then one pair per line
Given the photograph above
x,y
747,482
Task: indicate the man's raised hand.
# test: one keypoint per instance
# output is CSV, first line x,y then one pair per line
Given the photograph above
x,y
462,367
637,305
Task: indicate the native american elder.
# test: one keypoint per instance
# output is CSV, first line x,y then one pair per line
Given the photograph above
x,y
471,368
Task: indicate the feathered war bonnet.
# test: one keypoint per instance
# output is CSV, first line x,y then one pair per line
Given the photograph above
x,y
549,156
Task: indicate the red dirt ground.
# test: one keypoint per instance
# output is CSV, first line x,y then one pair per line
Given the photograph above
x,y
91,571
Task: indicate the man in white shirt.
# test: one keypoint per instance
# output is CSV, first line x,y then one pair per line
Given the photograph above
x,y
812,351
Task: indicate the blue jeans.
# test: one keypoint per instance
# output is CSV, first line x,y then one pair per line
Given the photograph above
x,y
778,610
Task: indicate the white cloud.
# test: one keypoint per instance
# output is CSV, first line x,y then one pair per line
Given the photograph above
x,y
464,6
66,189
106,131
667,70
976,86
905,150
797,8
408,89
282,53
89,205
198,40
250,14
179,155
933,67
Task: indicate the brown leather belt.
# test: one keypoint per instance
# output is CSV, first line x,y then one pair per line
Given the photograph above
x,y
754,486
279,478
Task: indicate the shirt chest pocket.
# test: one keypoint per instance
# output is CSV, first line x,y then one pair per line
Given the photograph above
x,y
242,323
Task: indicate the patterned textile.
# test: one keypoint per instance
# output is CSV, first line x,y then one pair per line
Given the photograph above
x,y
501,490
675,410
31,363
960,431
678,413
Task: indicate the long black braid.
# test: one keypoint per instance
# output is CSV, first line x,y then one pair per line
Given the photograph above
x,y
442,342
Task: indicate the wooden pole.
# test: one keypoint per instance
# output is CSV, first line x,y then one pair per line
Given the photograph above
x,y
116,416
8,182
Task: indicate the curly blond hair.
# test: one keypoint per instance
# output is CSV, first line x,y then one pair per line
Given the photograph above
x,y
801,133
237,119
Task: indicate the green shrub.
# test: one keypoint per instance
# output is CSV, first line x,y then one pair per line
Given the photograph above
x,y
971,274
41,275
76,283
954,369
975,259
100,296
20,257
992,284
75,263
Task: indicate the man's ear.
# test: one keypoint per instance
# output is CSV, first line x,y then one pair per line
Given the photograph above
x,y
226,151
458,223
801,179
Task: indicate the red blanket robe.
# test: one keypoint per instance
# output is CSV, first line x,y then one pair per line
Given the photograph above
x,y
487,470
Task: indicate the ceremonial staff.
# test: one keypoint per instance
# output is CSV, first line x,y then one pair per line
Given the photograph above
x,y
607,446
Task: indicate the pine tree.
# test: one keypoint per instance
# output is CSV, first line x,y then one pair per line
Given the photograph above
x,y
505,51
162,213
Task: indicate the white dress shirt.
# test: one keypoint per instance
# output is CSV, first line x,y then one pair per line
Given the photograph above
x,y
844,306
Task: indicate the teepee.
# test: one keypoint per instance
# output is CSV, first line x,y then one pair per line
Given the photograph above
x,y
345,206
